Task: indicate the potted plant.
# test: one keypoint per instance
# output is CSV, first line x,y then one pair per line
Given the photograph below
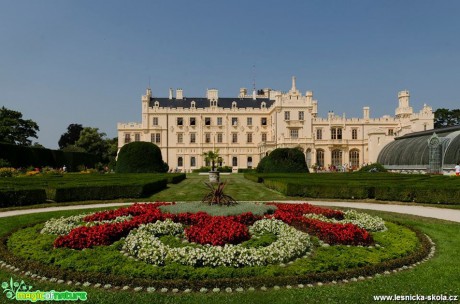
x,y
213,157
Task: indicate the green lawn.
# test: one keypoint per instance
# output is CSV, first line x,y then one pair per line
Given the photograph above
x,y
437,276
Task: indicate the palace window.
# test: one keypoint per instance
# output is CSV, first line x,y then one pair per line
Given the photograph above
x,y
336,133
192,121
207,138
155,137
390,132
207,121
354,159
155,121
294,133
192,161
234,161
301,115
219,121
249,137
219,137
249,162
234,138
180,138
192,138
127,138
180,121
336,158
320,158
319,133
249,121
180,161
234,121
287,115
263,121
264,137
137,137
354,133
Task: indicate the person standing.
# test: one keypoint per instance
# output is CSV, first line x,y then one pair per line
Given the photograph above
x,y
457,169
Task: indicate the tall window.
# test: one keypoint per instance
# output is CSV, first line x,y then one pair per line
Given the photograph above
x,y
249,137
192,161
301,115
155,121
207,138
319,133
264,137
234,138
180,138
249,121
127,138
180,162
336,156
192,121
192,138
287,115
390,132
180,121
263,121
234,161
294,133
336,133
219,121
320,158
219,137
137,137
234,121
155,137
249,162
354,159
207,121
354,133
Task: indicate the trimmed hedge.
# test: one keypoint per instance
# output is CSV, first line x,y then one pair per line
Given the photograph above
x,y
21,156
380,186
22,197
140,157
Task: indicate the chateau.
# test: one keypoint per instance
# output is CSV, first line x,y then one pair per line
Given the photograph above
x,y
250,126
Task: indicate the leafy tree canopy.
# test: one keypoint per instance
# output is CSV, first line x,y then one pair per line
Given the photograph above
x,y
93,142
446,118
71,136
16,130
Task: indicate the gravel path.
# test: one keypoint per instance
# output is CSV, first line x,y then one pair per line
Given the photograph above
x,y
438,213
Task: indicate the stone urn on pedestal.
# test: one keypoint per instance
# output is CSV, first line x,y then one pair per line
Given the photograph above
x,y
213,156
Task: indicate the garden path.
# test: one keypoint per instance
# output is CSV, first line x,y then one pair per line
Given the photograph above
x,y
433,212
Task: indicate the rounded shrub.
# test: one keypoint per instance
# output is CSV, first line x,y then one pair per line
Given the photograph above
x,y
140,157
375,167
283,160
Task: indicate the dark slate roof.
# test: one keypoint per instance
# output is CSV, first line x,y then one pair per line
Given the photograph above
x,y
202,102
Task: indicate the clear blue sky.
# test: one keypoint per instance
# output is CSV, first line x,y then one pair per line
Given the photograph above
x,y
89,62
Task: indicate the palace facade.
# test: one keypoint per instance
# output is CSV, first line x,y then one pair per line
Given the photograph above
x,y
250,126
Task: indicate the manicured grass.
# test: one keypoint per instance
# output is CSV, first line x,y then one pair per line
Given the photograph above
x,y
193,207
437,276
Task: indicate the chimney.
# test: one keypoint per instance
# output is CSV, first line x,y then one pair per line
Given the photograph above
x,y
179,94
170,93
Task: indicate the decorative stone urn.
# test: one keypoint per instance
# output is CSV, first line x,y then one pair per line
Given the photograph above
x,y
214,176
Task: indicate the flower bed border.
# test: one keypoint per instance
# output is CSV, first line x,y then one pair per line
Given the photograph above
x,y
36,270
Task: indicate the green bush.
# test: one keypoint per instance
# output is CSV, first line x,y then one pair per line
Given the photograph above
x,y
22,197
140,157
287,160
376,167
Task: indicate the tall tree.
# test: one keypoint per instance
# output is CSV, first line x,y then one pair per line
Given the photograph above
x,y
94,142
16,130
71,136
446,118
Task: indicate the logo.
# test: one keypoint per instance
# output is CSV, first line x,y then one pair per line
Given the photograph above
x,y
20,291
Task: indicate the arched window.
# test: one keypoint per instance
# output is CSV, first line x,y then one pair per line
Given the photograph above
x,y
180,162
354,159
263,105
234,105
235,161
249,162
193,104
192,161
320,158
157,104
336,158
